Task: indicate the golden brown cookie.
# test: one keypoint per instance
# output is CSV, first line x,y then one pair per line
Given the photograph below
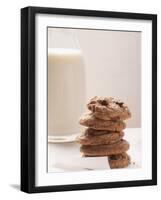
x,y
92,122
108,108
96,137
104,150
119,161
92,132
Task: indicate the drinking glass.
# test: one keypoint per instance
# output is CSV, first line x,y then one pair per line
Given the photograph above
x,y
66,84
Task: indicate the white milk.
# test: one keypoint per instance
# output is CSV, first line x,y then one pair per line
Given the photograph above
x,y
66,90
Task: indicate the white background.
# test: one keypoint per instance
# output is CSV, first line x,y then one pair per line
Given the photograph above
x,y
10,99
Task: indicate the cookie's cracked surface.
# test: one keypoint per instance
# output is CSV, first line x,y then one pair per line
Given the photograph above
x,y
108,108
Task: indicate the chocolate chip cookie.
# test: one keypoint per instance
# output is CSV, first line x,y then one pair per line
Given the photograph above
x,y
95,137
91,121
104,150
119,161
108,108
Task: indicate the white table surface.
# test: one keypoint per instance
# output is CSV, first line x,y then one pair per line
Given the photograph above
x,y
63,157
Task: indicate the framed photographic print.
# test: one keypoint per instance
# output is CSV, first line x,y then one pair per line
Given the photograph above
x,y
88,99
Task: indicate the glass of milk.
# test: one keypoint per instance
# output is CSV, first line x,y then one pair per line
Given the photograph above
x,y
66,85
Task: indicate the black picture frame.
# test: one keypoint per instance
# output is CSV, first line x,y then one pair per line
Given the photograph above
x,y
28,98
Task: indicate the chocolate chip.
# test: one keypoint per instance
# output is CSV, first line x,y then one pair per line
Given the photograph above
x,y
120,103
104,102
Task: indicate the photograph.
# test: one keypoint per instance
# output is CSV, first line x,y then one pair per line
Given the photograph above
x,y
89,99
94,99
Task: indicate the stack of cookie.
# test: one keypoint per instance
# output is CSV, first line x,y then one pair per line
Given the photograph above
x,y
104,135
